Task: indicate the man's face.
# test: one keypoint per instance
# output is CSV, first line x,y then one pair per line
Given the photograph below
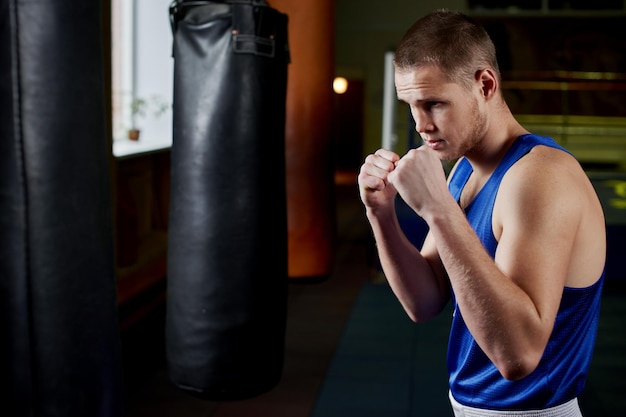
x,y
447,115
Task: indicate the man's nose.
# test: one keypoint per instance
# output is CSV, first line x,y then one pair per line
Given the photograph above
x,y
423,122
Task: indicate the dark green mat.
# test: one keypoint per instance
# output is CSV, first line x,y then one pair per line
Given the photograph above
x,y
385,365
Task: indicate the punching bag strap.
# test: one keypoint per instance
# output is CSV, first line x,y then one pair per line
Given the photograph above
x,y
177,7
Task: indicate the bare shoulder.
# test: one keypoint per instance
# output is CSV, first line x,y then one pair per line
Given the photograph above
x,y
551,170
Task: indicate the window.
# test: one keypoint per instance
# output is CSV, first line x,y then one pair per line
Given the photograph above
x,y
142,74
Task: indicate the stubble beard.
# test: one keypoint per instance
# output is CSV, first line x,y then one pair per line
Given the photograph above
x,y
474,137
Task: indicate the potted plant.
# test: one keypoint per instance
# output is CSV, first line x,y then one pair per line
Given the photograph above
x,y
137,108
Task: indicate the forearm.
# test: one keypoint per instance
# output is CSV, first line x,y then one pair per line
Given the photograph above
x,y
412,278
500,315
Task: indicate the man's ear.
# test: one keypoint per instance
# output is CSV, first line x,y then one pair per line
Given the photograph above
x,y
488,82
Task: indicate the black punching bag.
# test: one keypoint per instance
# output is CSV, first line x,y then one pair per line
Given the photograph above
x,y
60,345
227,249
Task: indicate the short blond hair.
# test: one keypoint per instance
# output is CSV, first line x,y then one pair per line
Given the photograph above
x,y
450,40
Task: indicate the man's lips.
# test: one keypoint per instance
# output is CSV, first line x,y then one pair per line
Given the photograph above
x,y
434,143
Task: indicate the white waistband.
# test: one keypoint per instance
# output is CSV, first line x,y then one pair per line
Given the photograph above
x,y
569,409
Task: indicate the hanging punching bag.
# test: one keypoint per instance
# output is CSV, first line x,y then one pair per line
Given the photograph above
x,y
227,248
60,354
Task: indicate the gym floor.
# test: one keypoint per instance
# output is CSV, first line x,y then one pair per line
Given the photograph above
x,y
318,315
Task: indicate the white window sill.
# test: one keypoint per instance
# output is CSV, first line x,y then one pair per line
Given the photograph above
x,y
125,148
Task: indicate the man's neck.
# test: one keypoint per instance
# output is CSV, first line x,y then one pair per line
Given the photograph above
x,y
498,139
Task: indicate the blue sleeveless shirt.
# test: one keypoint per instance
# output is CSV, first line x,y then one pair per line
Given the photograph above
x,y
562,371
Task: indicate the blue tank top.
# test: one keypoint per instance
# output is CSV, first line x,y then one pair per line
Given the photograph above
x,y
562,371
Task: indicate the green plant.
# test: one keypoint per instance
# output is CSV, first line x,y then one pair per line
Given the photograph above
x,y
138,107
155,106
159,106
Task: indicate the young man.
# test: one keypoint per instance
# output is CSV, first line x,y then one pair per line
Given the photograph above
x,y
516,235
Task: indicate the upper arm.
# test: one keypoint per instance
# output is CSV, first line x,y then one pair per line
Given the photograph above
x,y
536,218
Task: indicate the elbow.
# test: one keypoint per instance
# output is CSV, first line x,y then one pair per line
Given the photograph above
x,y
513,373
515,369
421,311
415,318
422,315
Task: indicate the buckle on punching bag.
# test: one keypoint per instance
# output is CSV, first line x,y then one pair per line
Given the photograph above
x,y
254,28
252,44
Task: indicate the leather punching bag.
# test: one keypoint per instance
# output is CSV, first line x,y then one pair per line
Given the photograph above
x,y
60,351
227,248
